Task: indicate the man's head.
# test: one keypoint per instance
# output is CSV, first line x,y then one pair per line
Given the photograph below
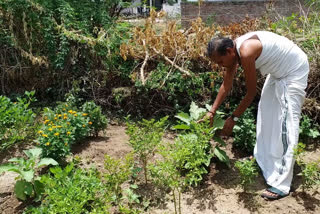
x,y
222,51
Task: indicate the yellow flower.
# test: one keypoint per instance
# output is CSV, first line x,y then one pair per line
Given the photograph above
x,y
64,109
84,114
59,115
66,144
70,111
75,115
65,117
59,126
56,134
66,105
50,124
90,123
83,125
44,135
46,121
37,143
39,132
68,123
50,129
56,118
68,133
48,143
54,127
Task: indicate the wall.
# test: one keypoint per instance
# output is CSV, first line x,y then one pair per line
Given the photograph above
x,y
226,11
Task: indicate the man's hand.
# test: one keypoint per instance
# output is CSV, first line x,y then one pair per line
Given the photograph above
x,y
209,115
228,126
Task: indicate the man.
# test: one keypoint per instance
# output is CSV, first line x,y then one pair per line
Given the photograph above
x,y
282,96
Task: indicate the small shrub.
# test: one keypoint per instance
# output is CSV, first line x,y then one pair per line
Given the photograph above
x,y
72,190
248,172
144,138
245,132
27,183
17,120
307,130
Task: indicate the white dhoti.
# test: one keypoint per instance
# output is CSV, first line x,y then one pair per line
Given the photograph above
x,y
280,105
278,126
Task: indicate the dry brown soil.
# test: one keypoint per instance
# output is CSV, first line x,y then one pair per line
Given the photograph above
x,y
220,192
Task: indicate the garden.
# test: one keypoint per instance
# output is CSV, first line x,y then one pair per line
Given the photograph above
x,y
99,114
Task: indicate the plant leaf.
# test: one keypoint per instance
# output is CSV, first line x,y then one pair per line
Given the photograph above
x,y
195,111
27,175
181,126
38,187
219,140
33,153
19,189
218,122
46,162
222,156
183,117
9,167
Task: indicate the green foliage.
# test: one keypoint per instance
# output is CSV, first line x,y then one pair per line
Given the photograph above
x,y
72,190
65,125
97,120
248,172
245,132
145,136
307,130
310,170
17,120
117,172
192,155
203,131
27,183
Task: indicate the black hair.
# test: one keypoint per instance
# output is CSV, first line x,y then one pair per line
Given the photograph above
x,y
219,45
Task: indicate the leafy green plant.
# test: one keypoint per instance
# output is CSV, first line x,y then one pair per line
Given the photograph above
x,y
307,130
245,132
310,171
17,120
117,172
248,170
72,190
203,130
145,136
28,184
166,174
97,121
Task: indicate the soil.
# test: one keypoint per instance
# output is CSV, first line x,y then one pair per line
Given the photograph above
x,y
219,193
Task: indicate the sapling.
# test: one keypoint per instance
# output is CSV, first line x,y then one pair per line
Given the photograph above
x,y
27,183
144,139
248,172
310,171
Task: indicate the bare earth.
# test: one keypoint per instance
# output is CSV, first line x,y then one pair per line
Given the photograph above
x,y
219,193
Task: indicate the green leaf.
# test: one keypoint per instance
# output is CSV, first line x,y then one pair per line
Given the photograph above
x,y
222,156
17,160
19,189
181,126
28,188
38,187
33,153
46,162
27,175
183,117
219,140
218,122
9,167
314,133
195,111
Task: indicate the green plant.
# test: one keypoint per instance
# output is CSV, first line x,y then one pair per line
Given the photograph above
x,y
203,131
117,172
166,174
17,120
145,136
306,130
72,190
248,172
97,121
310,171
28,184
245,132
